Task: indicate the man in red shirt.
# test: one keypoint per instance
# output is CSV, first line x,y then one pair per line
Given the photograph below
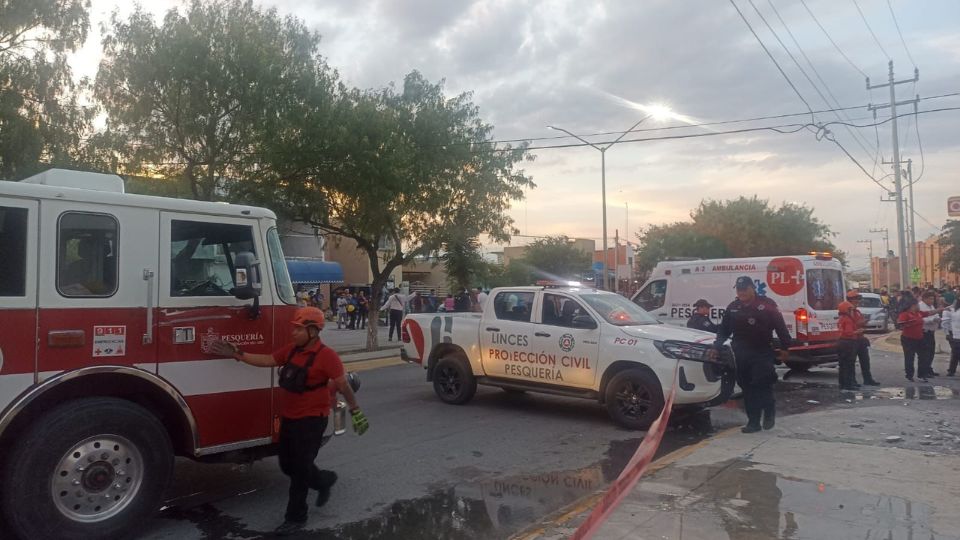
x,y
850,335
910,322
307,366
863,344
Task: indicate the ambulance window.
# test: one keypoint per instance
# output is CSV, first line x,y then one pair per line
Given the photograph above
x,y
825,288
652,296
284,286
513,305
202,254
13,251
87,260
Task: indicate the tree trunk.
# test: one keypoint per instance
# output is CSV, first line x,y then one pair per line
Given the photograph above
x,y
373,313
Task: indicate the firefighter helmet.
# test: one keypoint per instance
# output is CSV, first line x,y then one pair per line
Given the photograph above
x,y
308,316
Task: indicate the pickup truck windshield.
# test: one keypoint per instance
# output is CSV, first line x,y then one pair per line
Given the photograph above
x,y
617,310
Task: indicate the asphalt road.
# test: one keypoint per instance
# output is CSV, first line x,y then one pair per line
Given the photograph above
x,y
426,469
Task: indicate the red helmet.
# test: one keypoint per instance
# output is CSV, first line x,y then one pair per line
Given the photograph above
x,y
845,307
853,294
308,316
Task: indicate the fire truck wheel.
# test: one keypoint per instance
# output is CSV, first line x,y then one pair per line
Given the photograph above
x,y
92,468
453,381
634,398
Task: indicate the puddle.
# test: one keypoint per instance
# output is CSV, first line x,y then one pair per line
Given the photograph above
x,y
747,503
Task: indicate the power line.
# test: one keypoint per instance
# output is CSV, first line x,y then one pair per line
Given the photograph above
x,y
896,24
839,50
877,41
855,134
916,123
774,60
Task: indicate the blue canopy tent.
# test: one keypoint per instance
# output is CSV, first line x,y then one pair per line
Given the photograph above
x,y
312,271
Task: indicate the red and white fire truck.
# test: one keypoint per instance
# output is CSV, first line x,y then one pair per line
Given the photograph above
x,y
108,303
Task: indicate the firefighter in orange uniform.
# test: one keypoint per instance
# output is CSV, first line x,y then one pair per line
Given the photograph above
x,y
306,366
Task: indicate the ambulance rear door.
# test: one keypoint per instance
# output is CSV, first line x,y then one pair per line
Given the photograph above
x,y
231,401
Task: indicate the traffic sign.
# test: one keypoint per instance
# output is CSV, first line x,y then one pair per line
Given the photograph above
x,y
953,207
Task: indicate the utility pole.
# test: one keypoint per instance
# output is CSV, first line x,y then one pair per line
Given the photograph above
x,y
910,210
886,250
869,244
898,185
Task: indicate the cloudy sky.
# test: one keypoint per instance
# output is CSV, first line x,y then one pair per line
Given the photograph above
x,y
584,65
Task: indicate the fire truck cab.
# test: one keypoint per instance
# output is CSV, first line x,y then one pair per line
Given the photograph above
x,y
108,303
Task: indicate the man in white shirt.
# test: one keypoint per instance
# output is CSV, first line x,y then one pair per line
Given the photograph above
x,y
951,325
481,298
930,325
394,305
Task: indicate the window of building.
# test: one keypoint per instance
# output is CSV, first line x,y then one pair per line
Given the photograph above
x,y
13,251
87,261
202,255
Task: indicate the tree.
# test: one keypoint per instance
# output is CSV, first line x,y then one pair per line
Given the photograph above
x,y
396,171
462,260
41,122
556,258
743,227
195,96
950,239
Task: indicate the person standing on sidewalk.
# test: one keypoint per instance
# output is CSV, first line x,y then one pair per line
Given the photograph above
x,y
307,366
363,310
910,322
751,320
394,307
931,323
850,335
863,344
953,334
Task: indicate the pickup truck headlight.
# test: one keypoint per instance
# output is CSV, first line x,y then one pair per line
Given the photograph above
x,y
683,350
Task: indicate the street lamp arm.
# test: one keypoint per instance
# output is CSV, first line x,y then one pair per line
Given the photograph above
x,y
624,134
581,139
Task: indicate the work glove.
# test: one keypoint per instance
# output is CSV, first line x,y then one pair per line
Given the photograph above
x,y
360,423
223,348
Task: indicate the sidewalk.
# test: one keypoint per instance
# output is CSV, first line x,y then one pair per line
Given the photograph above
x,y
891,343
831,474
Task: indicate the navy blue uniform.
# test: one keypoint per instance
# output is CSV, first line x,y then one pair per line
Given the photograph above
x,y
702,322
751,326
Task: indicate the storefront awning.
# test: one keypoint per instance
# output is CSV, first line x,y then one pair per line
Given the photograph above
x,y
308,271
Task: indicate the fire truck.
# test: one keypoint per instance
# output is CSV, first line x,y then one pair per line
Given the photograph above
x,y
108,304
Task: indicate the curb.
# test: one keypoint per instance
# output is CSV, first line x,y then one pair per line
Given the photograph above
x,y
587,502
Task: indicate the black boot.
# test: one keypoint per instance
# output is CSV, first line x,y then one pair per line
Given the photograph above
x,y
868,380
769,418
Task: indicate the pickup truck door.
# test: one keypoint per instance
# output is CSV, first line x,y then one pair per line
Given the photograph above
x,y
506,336
575,350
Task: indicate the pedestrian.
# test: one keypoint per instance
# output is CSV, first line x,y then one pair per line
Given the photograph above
x,y
462,302
481,298
363,309
910,323
931,323
318,299
394,306
303,299
751,320
307,366
700,320
448,303
863,344
433,303
951,325
341,310
850,335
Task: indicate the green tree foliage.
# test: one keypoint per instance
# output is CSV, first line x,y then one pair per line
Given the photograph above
x,y
396,170
463,262
510,275
743,227
195,96
950,240
41,123
556,258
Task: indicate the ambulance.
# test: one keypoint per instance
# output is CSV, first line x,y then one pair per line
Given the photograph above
x,y
108,305
807,289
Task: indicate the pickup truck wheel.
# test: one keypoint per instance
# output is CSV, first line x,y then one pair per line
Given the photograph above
x,y
453,381
634,398
799,366
90,469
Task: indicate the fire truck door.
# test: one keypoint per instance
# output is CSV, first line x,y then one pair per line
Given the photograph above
x,y
97,287
231,401
18,297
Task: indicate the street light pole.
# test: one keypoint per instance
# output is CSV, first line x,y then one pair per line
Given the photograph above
x,y
603,188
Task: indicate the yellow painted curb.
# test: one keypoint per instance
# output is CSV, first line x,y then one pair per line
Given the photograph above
x,y
367,365
587,502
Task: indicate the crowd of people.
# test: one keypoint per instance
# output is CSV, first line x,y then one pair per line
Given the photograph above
x,y
920,314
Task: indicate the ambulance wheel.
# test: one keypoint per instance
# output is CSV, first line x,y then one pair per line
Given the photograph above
x,y
90,469
453,381
634,398
799,366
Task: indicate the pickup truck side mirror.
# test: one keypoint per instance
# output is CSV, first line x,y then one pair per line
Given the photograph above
x,y
584,321
246,278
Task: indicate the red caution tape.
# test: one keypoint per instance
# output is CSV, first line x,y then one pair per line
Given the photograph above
x,y
632,472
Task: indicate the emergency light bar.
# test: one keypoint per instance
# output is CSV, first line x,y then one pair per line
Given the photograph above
x,y
551,283
822,255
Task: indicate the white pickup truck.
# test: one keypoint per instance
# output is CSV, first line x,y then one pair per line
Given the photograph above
x,y
569,341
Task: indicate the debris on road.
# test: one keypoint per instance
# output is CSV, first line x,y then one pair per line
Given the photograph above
x,y
894,438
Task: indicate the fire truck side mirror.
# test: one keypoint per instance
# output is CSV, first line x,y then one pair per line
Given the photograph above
x,y
246,276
